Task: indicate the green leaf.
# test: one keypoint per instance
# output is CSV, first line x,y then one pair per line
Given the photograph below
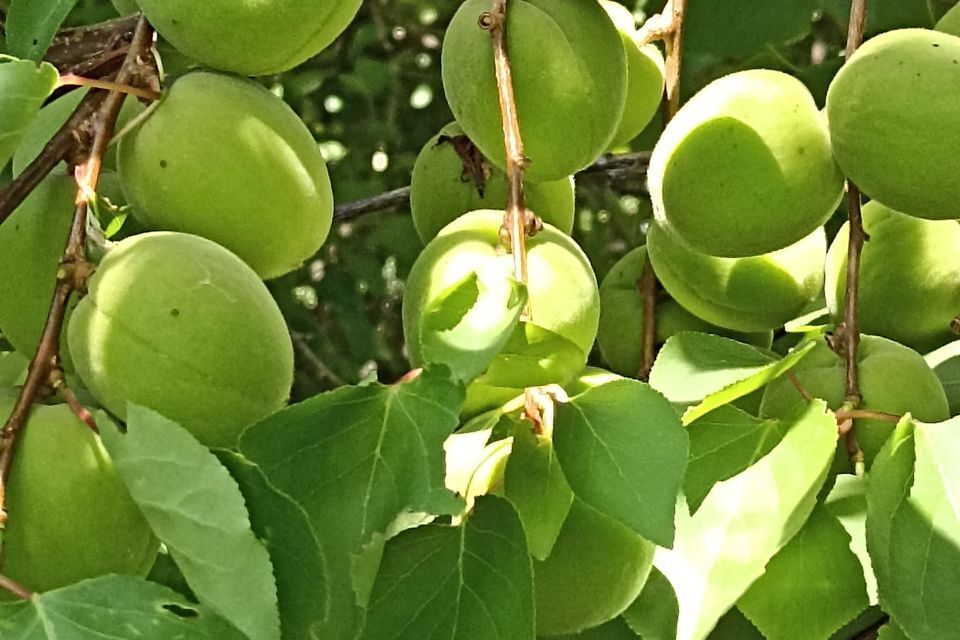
x,y
616,629
744,521
295,551
354,459
534,483
472,582
945,362
812,587
195,508
654,614
534,356
727,28
885,15
707,371
847,502
623,451
32,24
13,370
734,626
112,608
891,631
919,547
722,444
23,88
469,324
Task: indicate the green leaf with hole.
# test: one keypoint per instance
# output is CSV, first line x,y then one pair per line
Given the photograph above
x,y
472,582
32,25
112,608
354,459
196,509
744,521
23,88
623,452
703,372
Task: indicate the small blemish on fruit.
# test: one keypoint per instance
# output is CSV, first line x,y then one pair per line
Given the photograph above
x,y
175,312
163,164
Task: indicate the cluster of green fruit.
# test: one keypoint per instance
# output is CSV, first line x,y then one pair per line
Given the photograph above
x,y
228,188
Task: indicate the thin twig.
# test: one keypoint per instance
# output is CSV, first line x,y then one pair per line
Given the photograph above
x,y
866,414
674,57
73,267
647,286
321,369
795,381
15,588
74,80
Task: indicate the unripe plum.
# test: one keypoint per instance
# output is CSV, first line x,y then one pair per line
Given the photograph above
x,y
894,121
950,22
562,287
32,241
445,186
595,571
645,76
250,38
909,277
893,379
569,76
744,294
223,158
745,167
71,517
177,323
620,336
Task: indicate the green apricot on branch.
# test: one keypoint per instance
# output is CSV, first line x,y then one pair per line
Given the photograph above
x,y
223,158
620,336
70,515
562,293
646,76
596,570
177,323
893,379
745,168
451,177
950,22
894,121
569,77
250,38
32,242
749,294
909,277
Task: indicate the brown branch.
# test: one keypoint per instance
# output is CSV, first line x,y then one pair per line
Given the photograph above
x,y
73,266
15,588
82,49
674,57
647,286
866,414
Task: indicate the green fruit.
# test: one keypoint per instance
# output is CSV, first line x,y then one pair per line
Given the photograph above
x,y
893,379
744,294
595,571
179,324
894,123
53,116
745,167
569,77
950,22
445,186
125,7
945,362
645,76
909,277
224,158
251,38
562,292
32,241
620,336
71,517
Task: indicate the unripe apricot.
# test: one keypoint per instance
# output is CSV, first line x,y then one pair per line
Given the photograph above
x,y
562,289
909,277
125,7
894,121
620,336
745,167
451,177
177,323
645,76
223,158
569,77
71,517
250,38
950,22
744,294
32,241
596,570
893,379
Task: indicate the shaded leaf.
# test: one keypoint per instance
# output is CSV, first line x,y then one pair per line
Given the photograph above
x,y
744,521
23,88
112,608
472,582
847,502
32,24
195,508
616,629
945,362
534,356
654,614
623,452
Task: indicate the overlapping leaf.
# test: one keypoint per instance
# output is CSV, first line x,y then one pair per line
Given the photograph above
x,y
196,509
32,24
23,88
848,504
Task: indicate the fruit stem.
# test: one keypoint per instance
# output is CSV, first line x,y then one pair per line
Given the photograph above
x,y
73,80
44,367
15,588
674,46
